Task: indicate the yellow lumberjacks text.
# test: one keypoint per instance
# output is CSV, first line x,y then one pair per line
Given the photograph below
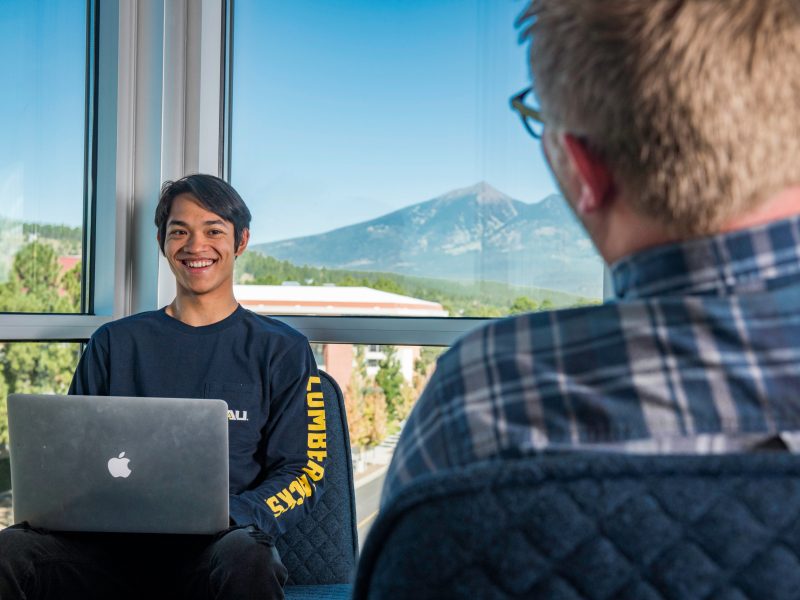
x,y
303,486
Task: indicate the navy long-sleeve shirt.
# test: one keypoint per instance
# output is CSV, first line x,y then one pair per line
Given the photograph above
x,y
261,367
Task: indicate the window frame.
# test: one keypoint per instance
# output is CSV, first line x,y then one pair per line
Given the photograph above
x,y
44,327
428,331
396,331
159,106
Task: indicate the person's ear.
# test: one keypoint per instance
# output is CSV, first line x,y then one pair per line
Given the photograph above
x,y
243,241
591,172
158,241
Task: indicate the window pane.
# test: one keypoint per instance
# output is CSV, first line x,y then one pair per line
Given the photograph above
x,y
29,368
42,117
381,384
375,145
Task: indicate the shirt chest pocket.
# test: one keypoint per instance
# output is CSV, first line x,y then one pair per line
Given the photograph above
x,y
246,412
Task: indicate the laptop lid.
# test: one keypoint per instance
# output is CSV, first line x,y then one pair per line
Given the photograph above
x,y
119,464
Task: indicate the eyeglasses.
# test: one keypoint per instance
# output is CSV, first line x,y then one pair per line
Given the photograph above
x,y
531,117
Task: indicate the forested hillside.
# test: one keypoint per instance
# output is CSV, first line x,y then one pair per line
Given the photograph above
x,y
479,299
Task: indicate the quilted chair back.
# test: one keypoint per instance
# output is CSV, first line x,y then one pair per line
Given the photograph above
x,y
592,526
322,548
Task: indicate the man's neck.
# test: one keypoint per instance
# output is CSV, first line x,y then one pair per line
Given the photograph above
x,y
198,311
782,205
629,233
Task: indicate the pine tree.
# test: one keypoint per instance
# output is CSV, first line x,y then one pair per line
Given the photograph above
x,y
365,405
523,304
390,380
35,285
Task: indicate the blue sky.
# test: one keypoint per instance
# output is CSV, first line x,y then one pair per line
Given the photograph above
x,y
344,110
42,117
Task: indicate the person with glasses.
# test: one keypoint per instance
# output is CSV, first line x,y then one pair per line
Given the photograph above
x,y
673,130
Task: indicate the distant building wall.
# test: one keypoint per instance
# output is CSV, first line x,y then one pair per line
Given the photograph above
x,y
337,359
405,355
339,362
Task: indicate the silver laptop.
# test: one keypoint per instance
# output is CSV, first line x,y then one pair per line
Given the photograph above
x,y
119,464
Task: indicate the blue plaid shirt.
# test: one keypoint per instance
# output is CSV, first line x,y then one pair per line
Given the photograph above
x,y
699,353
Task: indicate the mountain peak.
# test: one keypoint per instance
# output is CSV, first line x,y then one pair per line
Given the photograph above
x,y
553,201
472,233
482,190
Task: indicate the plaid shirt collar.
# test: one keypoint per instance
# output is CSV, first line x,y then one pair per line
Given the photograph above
x,y
740,261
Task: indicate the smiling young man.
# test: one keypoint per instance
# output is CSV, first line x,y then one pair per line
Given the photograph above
x,y
201,247
202,345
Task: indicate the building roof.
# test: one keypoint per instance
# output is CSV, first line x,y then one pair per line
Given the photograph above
x,y
65,263
332,300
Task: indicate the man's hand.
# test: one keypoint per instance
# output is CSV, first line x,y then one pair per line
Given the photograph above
x,y
253,531
260,536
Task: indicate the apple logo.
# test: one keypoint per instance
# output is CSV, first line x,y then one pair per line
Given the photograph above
x,y
118,467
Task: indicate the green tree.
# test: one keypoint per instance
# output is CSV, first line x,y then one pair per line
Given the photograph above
x,y
33,283
388,285
63,239
39,367
476,309
71,282
27,368
365,405
353,281
374,408
353,401
36,265
523,304
475,299
63,233
390,380
35,286
424,366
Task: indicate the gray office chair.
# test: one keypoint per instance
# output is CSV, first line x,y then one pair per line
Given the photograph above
x,y
320,552
592,526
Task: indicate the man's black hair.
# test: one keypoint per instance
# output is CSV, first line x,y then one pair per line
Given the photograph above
x,y
213,194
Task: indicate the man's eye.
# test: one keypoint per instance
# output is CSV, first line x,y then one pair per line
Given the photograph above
x,y
216,232
177,232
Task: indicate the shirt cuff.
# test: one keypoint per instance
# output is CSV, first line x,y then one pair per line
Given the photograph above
x,y
239,512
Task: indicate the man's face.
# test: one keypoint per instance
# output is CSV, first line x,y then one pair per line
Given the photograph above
x,y
199,246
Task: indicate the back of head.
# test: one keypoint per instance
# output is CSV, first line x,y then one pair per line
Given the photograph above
x,y
693,103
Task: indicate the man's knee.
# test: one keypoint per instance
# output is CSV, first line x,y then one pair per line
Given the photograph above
x,y
246,552
23,543
20,547
43,564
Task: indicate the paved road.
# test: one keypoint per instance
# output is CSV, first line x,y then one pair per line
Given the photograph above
x,y
368,498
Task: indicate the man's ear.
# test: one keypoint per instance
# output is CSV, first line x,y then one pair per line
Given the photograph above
x,y
591,173
243,241
158,241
